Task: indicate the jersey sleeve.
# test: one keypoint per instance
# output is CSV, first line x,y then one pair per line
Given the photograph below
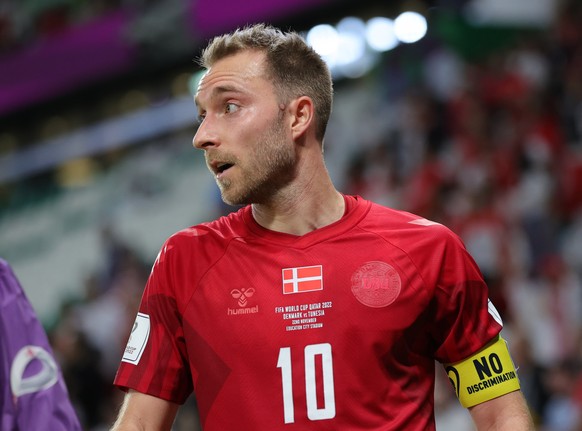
x,y
155,358
33,394
464,318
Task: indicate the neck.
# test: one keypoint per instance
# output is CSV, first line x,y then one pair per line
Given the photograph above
x,y
304,208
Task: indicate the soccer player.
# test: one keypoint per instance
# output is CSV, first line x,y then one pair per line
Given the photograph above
x,y
307,309
33,395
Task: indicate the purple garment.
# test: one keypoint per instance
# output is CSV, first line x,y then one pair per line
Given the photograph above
x,y
33,395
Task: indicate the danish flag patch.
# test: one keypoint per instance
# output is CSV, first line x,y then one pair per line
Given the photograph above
x,y
302,279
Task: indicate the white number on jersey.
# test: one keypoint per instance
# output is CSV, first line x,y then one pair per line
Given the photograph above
x,y
314,412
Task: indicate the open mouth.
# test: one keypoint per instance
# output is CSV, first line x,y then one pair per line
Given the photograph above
x,y
222,167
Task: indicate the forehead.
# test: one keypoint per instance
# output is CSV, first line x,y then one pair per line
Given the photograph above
x,y
241,71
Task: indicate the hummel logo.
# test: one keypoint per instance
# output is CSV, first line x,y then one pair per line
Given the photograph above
x,y
242,295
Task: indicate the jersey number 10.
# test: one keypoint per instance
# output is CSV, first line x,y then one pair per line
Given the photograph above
x,y
314,412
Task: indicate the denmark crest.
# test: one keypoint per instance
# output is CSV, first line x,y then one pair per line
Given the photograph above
x,y
376,284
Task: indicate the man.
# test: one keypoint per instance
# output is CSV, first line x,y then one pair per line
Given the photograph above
x,y
33,395
306,309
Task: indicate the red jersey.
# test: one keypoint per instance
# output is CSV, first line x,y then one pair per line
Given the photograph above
x,y
337,329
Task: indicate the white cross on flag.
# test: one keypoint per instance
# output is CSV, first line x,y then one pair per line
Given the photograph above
x,y
302,279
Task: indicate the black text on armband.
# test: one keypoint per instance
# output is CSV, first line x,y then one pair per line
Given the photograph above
x,y
488,374
485,366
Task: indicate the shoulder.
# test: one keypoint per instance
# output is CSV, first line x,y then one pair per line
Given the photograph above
x,y
188,254
222,229
427,244
5,269
9,284
402,226
205,240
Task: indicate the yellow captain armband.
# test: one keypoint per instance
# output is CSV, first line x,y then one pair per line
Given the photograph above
x,y
487,374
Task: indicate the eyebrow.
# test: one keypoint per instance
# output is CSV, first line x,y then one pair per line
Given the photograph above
x,y
221,89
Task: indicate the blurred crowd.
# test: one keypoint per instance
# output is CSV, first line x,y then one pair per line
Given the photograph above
x,y
493,150
26,21
490,148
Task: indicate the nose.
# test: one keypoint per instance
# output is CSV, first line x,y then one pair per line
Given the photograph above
x,y
204,137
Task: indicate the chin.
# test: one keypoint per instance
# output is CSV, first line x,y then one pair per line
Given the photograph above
x,y
230,198
250,194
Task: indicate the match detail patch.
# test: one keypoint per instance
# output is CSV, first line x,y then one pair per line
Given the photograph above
x,y
138,339
488,374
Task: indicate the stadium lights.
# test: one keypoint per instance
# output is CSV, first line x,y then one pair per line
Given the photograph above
x,y
324,39
352,47
352,41
380,34
410,27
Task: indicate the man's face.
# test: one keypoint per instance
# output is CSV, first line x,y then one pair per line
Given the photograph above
x,y
244,135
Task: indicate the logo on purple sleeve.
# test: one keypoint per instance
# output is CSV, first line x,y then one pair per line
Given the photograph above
x,y
33,369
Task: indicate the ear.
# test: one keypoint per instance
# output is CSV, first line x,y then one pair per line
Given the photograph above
x,y
302,116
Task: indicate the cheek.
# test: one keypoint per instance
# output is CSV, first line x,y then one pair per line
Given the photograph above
x,y
244,132
255,131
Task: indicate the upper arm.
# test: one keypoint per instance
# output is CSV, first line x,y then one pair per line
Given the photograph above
x,y
507,412
142,412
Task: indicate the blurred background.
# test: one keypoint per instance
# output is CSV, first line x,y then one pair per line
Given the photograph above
x,y
468,112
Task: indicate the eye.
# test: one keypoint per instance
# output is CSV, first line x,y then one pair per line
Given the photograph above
x,y
201,117
230,108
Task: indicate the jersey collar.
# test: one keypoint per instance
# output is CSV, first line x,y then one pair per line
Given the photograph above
x,y
356,209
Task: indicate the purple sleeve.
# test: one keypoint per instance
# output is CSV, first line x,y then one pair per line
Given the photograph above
x,y
33,394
